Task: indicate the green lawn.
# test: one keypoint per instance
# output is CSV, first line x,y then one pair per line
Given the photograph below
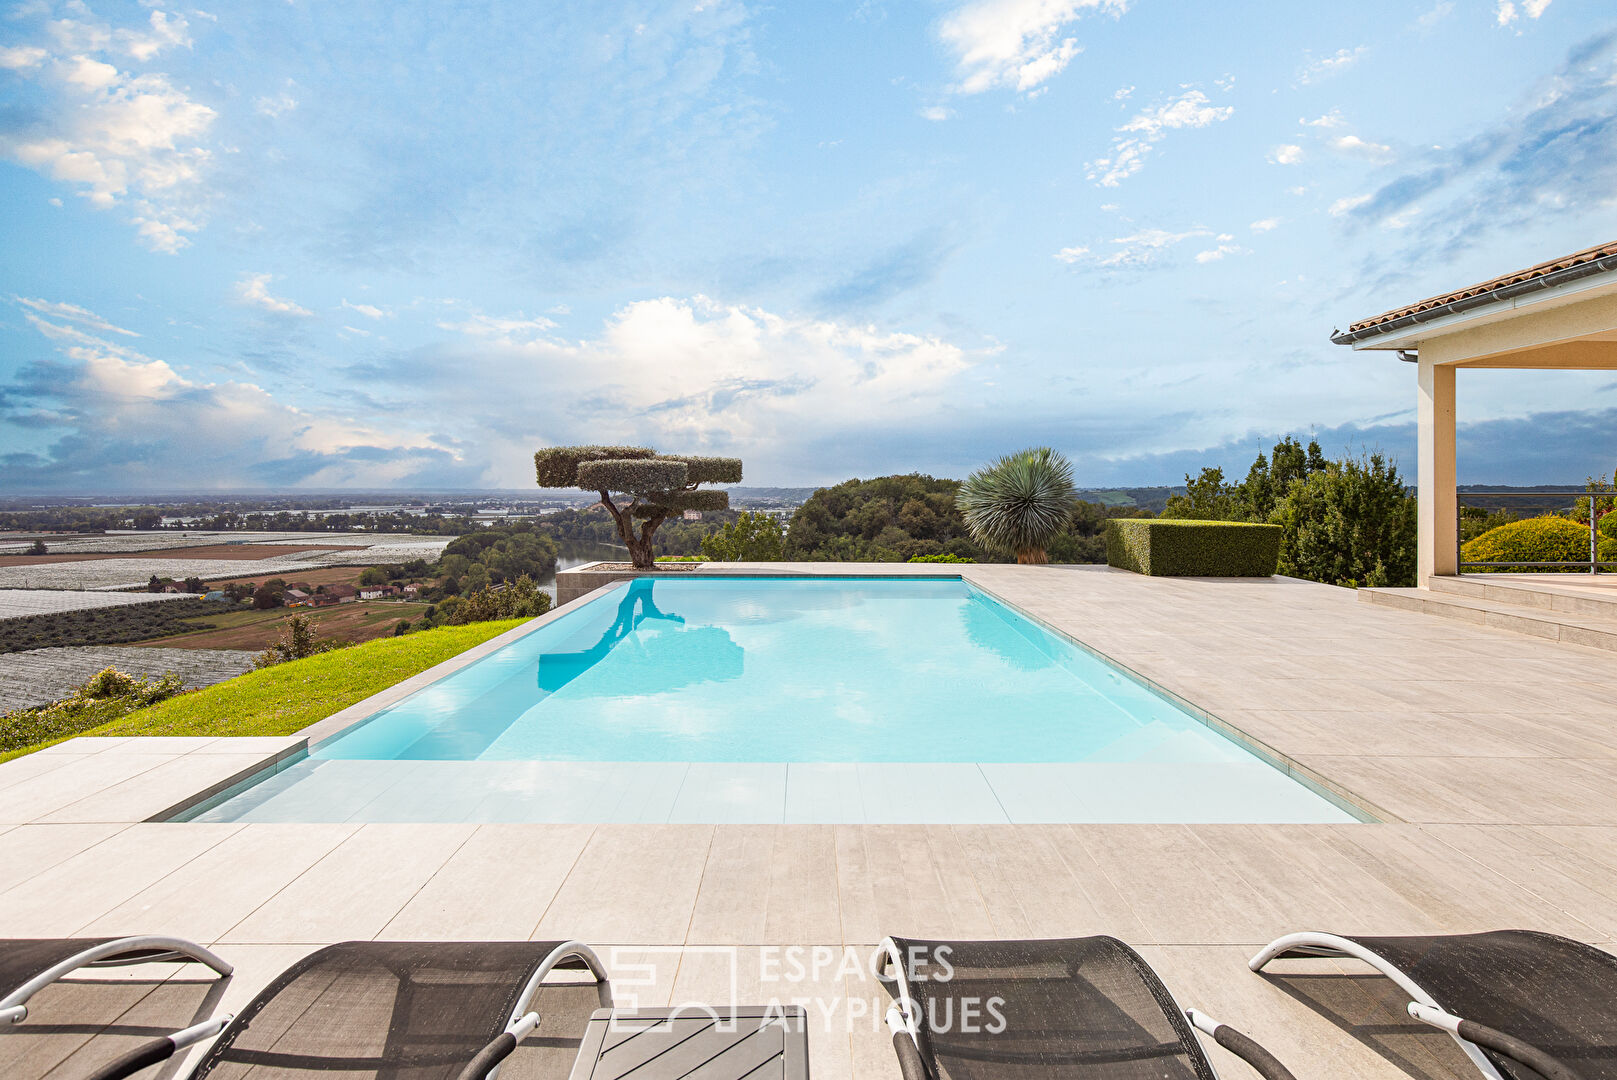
x,y
289,697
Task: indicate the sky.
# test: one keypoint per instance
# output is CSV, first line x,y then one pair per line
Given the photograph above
x,y
304,245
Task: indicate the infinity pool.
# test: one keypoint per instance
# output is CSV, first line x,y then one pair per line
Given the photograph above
x,y
782,699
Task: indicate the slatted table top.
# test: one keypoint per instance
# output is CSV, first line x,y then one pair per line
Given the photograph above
x,y
727,1043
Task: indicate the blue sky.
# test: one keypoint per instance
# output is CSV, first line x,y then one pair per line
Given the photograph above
x,y
323,246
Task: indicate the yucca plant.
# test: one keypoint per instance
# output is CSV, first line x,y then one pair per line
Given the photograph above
x,y
1019,503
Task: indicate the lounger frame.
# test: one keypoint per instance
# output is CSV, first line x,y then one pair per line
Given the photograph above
x,y
522,1022
1314,943
156,947
902,1019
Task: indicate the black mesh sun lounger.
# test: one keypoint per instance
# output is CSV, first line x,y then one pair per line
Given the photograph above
x,y
1062,1009
30,965
422,1010
1523,1005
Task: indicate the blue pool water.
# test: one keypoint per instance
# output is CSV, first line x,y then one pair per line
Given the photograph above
x,y
760,683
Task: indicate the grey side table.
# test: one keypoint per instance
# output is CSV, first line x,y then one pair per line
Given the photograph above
x,y
756,1042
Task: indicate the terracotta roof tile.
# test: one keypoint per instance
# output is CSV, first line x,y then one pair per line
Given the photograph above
x,y
1543,268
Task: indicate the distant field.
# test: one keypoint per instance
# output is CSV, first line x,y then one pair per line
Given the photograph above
x,y
270,555
211,551
335,575
254,630
19,603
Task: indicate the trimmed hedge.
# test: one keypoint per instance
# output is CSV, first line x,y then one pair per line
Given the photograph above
x,y
557,467
635,476
709,470
1168,548
1539,539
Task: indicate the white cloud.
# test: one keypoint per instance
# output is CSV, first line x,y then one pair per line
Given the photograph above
x,y
137,418
1442,10
509,330
1122,94
701,376
1191,109
275,106
1332,119
1138,249
1217,253
936,113
1126,159
370,311
84,318
1352,144
116,136
1265,225
1327,66
1015,44
1346,203
17,57
1286,154
167,31
1507,11
253,290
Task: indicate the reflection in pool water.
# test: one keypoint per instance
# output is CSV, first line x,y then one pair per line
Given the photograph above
x,y
752,669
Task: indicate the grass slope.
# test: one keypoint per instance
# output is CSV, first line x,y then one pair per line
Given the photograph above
x,y
289,697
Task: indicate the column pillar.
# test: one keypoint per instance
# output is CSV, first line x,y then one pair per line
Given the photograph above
x,y
1435,476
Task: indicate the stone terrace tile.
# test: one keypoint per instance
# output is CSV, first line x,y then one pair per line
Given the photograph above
x,y
1496,750
62,900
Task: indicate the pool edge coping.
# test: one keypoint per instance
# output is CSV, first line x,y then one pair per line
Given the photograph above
x,y
1359,807
331,726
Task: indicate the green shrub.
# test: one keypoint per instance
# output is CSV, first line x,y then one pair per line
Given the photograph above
x,y
944,557
751,537
1169,548
296,642
108,695
1539,539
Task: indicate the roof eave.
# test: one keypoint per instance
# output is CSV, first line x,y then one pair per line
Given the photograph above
x,y
1562,286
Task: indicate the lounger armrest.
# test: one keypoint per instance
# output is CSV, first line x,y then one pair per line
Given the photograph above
x,y
160,1049
1266,1064
909,1058
1492,1039
488,1059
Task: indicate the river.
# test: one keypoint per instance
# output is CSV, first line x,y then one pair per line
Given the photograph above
x,y
571,553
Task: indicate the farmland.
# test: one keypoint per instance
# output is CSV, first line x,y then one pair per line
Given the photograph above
x,y
117,561
254,630
33,678
108,625
15,603
209,551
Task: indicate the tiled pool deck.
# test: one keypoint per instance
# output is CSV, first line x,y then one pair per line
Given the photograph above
x,y
1490,757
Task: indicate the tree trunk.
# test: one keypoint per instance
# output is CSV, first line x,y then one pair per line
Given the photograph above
x,y
1032,557
640,552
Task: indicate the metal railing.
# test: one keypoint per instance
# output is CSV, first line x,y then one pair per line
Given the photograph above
x,y
1593,564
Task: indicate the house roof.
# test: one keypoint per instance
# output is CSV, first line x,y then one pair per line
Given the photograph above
x,y
1544,274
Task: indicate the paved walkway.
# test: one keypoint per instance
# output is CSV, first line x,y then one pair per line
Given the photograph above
x,y
1491,758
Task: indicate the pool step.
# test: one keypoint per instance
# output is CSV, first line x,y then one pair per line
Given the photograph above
x,y
1596,631
1571,594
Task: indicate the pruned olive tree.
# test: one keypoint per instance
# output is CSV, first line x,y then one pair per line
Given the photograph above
x,y
657,486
